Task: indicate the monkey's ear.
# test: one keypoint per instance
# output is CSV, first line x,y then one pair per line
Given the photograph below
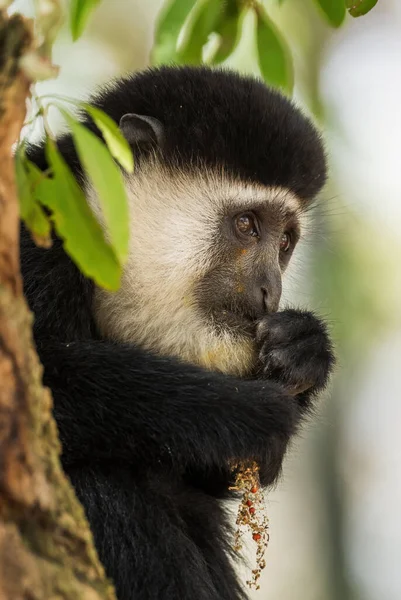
x,y
138,129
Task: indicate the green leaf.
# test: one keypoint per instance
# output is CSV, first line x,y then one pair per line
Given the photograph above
x,y
108,182
80,11
168,29
275,61
228,32
75,223
205,18
31,212
116,142
358,8
228,29
334,11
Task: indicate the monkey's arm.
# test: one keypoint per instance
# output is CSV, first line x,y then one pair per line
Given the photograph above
x,y
295,351
114,401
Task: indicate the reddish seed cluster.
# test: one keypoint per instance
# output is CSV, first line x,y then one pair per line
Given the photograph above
x,y
251,516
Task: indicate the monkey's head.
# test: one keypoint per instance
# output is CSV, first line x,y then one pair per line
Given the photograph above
x,y
224,170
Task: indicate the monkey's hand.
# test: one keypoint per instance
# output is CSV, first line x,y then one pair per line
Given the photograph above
x,y
295,351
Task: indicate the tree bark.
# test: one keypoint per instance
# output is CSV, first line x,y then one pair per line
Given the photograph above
x,y
46,547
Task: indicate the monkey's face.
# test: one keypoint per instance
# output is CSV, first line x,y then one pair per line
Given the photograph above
x,y
255,241
207,254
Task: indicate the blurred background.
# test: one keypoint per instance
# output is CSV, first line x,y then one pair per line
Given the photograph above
x,y
335,518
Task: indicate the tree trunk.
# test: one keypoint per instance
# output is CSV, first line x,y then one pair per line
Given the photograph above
x,y
46,547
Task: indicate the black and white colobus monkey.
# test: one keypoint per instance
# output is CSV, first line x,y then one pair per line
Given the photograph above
x,y
160,386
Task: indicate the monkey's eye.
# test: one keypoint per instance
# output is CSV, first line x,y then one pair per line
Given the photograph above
x,y
246,225
285,242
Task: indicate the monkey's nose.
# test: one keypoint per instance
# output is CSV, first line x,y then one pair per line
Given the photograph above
x,y
271,297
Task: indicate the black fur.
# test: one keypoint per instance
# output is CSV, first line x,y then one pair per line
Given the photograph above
x,y
295,351
147,441
215,117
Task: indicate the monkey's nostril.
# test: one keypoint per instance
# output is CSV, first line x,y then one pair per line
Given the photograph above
x,y
270,300
265,297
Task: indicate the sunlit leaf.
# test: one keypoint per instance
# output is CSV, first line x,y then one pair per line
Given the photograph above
x,y
206,16
334,11
116,142
80,11
108,182
31,212
75,223
168,29
275,61
358,8
228,32
228,29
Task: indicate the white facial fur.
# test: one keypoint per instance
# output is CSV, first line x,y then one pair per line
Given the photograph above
x,y
174,223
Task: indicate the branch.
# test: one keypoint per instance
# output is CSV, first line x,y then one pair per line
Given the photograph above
x,y
46,547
